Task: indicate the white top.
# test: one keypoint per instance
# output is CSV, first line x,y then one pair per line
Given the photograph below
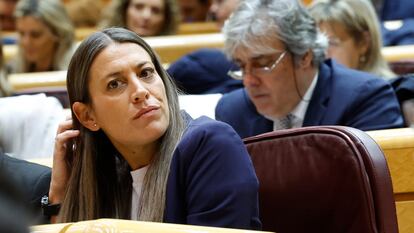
x,y
300,110
137,180
28,125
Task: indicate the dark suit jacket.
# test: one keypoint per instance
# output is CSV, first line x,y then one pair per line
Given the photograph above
x,y
31,179
397,10
341,97
212,181
204,72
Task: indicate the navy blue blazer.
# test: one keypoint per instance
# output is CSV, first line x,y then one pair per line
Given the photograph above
x,y
397,10
212,181
341,97
204,72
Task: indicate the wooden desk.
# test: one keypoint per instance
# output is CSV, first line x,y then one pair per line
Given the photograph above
x,y
198,28
169,48
115,225
396,53
183,29
24,81
398,147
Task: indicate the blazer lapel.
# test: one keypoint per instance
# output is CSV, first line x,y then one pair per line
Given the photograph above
x,y
317,106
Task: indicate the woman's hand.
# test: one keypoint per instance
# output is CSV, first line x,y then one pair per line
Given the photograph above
x,y
60,170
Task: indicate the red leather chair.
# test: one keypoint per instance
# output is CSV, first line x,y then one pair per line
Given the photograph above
x,y
402,67
322,179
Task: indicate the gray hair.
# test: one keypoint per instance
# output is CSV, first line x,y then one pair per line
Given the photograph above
x,y
92,193
54,15
256,23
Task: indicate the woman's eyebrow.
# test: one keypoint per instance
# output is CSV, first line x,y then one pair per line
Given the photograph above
x,y
139,65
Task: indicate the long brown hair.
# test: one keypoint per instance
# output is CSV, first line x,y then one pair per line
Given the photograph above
x,y
100,183
115,16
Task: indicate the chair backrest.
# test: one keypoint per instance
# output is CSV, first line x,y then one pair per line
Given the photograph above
x,y
322,179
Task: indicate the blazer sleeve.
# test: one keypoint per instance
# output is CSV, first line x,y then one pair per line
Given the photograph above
x,y
376,108
221,187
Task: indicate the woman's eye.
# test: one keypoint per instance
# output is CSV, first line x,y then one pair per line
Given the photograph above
x,y
334,42
147,73
113,84
156,11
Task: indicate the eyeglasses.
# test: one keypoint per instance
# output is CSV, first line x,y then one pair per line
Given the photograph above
x,y
240,73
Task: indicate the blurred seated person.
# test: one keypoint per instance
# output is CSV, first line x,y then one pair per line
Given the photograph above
x,y
396,33
288,83
146,160
7,21
13,212
146,18
220,10
46,37
194,10
85,13
31,182
28,125
205,71
354,34
404,89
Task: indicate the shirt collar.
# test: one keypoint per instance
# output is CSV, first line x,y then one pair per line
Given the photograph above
x,y
300,110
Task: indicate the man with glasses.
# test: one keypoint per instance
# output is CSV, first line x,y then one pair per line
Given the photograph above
x,y
280,57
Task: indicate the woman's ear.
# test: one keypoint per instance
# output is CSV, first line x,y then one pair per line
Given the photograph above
x,y
85,116
364,44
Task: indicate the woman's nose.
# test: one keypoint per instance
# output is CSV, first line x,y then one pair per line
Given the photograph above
x,y
139,91
146,13
25,40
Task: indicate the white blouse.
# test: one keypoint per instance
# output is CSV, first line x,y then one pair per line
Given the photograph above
x,y
137,180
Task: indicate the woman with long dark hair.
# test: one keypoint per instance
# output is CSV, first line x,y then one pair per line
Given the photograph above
x,y
130,153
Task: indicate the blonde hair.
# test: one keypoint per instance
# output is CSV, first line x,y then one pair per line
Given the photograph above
x,y
115,16
359,18
100,183
53,14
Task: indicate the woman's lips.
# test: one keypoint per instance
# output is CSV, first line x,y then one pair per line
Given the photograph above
x,y
144,111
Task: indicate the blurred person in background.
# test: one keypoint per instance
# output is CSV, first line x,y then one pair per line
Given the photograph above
x,y
7,21
146,18
220,10
85,13
46,36
194,10
354,34
397,21
204,71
